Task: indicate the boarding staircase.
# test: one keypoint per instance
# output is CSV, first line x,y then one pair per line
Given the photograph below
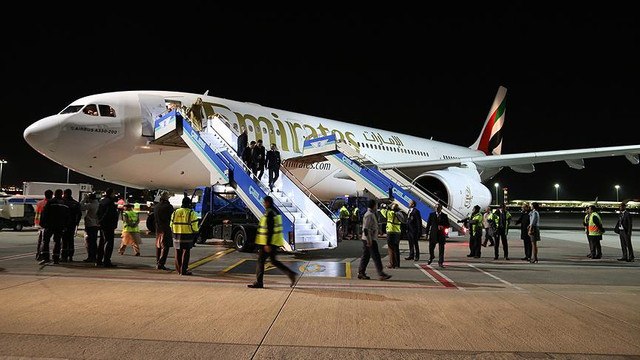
x,y
306,225
381,183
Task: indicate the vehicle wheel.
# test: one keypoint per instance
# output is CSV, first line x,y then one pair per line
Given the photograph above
x,y
240,241
17,227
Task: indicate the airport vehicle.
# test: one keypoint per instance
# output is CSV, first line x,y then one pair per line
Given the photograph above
x,y
38,188
179,154
18,211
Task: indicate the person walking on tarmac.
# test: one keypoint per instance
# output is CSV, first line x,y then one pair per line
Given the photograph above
x,y
130,231
437,224
523,221
369,244
394,220
354,222
489,226
268,239
502,218
595,231
54,218
48,194
184,227
162,215
344,215
108,220
69,233
623,229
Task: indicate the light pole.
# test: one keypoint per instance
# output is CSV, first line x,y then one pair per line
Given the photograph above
x,y
556,186
496,185
67,175
617,188
2,162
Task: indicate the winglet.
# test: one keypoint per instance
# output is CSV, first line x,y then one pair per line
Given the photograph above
x,y
490,139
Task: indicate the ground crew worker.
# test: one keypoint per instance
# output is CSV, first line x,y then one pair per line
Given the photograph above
x,y
121,203
596,230
393,235
502,218
475,230
354,222
136,207
48,194
344,215
585,223
268,239
184,226
130,231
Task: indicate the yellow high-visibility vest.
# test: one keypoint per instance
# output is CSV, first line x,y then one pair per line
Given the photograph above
x,y
184,221
393,223
130,219
593,229
277,238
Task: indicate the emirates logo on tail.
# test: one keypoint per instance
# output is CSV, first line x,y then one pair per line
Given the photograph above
x,y
490,139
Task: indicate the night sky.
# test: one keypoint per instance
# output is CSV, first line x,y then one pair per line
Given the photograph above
x,y
573,76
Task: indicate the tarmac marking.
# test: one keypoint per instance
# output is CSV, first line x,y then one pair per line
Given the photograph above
x,y
17,256
438,277
497,278
203,261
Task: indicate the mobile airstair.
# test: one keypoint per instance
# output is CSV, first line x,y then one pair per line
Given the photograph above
x,y
381,183
306,225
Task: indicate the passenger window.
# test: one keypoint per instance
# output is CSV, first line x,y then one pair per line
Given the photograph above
x,y
91,109
250,128
106,110
264,130
235,127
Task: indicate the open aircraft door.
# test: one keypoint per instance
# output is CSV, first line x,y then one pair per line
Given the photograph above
x,y
150,107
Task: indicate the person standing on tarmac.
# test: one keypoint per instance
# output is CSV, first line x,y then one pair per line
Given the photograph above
x,y
623,229
184,227
162,215
75,214
55,216
414,230
48,194
437,224
489,227
369,244
502,218
90,206
268,239
523,221
595,231
108,220
475,227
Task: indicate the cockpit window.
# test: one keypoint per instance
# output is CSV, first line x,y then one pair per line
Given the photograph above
x,y
91,109
106,110
71,109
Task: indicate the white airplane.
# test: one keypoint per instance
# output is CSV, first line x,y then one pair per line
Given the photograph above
x,y
109,137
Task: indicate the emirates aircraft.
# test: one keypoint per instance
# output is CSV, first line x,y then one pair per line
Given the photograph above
x,y
110,137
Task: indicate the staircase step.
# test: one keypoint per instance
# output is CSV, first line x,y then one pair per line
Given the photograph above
x,y
306,232
312,246
308,238
303,226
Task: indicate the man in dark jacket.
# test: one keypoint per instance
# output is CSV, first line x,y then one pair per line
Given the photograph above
x,y
69,233
273,165
258,155
623,228
247,155
414,230
523,221
436,226
242,141
108,220
54,218
164,240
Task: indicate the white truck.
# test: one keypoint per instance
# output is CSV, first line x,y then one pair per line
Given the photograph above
x,y
38,188
18,211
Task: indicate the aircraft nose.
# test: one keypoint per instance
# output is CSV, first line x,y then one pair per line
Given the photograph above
x,y
42,134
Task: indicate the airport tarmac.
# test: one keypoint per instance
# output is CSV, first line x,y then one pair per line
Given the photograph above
x,y
564,307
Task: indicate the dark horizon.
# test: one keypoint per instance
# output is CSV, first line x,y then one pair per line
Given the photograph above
x,y
571,78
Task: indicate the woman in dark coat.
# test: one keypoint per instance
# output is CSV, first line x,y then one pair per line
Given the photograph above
x,y
524,235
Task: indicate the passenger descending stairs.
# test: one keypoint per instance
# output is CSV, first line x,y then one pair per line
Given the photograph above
x,y
387,183
306,226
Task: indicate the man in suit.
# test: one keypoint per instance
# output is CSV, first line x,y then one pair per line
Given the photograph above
x,y
436,225
502,218
414,230
623,228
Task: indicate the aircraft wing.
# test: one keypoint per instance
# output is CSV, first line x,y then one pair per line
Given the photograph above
x,y
521,162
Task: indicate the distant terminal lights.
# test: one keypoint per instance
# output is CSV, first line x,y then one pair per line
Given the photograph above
x,y
576,204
